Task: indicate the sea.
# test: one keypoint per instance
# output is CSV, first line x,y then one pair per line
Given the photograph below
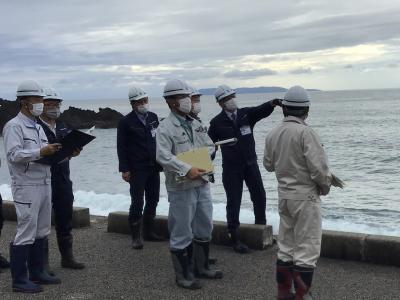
x,y
359,129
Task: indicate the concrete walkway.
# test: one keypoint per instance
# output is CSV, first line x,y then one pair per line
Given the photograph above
x,y
114,271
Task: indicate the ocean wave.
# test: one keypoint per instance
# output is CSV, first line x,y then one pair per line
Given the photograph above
x,y
103,203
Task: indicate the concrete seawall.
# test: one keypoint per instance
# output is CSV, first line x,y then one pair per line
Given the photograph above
x,y
80,215
340,245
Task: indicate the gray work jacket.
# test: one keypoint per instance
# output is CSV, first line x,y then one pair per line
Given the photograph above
x,y
23,139
172,139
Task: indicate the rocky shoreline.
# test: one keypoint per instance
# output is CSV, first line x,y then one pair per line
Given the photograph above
x,y
75,117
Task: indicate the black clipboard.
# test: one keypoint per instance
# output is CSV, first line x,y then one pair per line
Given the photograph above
x,y
73,140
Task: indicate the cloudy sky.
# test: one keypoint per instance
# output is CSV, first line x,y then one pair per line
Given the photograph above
x,y
90,49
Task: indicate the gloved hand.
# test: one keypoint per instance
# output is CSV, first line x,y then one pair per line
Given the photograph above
x,y
276,102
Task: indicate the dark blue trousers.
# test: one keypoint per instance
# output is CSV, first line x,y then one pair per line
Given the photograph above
x,y
144,184
62,200
232,179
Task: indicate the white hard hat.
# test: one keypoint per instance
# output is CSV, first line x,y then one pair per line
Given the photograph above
x,y
29,88
51,94
296,96
136,93
223,91
194,91
176,87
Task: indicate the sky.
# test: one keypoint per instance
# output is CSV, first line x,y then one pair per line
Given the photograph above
x,y
98,49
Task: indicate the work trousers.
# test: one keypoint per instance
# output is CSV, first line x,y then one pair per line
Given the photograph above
x,y
33,208
300,232
190,216
233,184
144,184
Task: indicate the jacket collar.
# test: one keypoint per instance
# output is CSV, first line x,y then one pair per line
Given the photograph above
x,y
28,122
176,120
294,120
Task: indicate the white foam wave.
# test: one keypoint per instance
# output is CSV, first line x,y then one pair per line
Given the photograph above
x,y
103,203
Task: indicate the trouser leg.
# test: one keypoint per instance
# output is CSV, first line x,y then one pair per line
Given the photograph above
x,y
182,209
307,232
152,192
137,186
233,185
4,264
1,214
252,177
286,239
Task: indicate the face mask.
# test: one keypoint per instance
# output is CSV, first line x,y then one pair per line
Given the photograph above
x,y
53,113
196,109
37,109
185,105
231,105
143,109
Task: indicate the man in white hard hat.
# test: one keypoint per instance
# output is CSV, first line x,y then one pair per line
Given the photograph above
x,y
61,185
25,143
196,105
295,153
190,210
136,146
239,161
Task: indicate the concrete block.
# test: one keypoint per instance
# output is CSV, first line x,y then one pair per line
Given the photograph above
x,y
255,236
343,245
80,215
382,250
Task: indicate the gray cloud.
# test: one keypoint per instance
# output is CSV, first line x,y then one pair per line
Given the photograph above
x,y
193,39
301,71
250,73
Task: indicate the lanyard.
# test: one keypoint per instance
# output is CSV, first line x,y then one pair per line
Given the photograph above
x,y
187,129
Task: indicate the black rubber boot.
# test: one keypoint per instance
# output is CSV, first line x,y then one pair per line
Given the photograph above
x,y
284,279
148,230
46,258
37,273
201,260
302,282
212,260
136,232
238,246
19,271
182,263
4,264
68,261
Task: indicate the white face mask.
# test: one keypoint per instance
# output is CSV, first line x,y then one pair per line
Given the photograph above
x,y
143,109
37,109
231,105
196,108
185,105
53,113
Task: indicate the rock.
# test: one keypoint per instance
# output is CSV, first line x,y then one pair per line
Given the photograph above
x,y
74,117
80,118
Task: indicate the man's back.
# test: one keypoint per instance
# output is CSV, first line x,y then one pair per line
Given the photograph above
x,y
293,150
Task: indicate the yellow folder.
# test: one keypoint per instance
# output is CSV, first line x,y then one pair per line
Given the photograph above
x,y
199,158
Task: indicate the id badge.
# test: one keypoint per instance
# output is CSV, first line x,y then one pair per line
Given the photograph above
x,y
153,133
245,130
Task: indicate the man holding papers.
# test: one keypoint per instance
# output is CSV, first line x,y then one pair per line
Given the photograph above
x,y
62,196
25,143
190,211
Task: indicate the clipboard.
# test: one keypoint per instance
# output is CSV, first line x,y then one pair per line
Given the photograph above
x,y
73,140
199,158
